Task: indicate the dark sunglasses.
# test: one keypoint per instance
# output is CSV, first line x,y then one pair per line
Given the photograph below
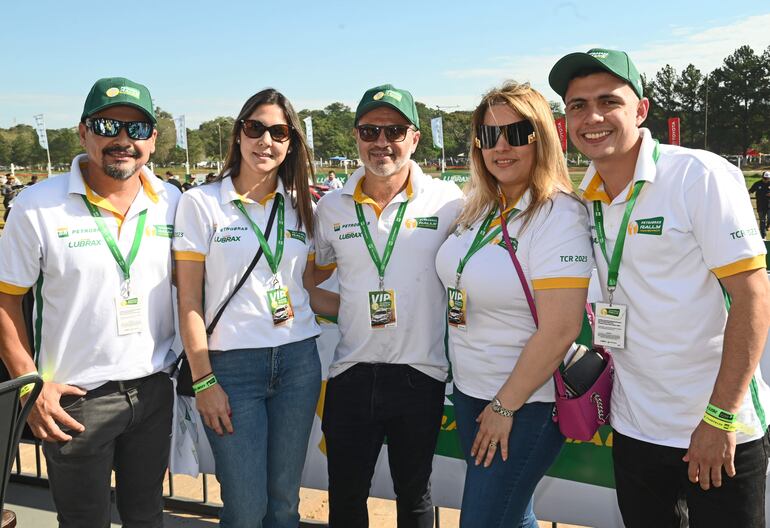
x,y
256,129
105,127
393,133
516,134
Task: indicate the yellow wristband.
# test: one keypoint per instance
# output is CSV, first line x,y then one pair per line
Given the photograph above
x,y
26,389
723,425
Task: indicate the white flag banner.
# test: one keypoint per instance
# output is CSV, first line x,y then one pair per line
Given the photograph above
x,y
42,137
181,132
309,131
437,127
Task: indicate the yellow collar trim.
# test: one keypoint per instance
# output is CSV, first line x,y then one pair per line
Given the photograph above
x,y
593,192
361,197
262,202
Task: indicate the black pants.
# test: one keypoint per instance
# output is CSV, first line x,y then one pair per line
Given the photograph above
x,y
653,488
125,431
365,405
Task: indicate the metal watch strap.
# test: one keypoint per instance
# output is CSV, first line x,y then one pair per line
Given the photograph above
x,y
499,409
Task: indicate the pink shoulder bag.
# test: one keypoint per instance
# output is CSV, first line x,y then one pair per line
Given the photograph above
x,y
579,415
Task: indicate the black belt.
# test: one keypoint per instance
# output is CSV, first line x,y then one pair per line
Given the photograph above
x,y
123,386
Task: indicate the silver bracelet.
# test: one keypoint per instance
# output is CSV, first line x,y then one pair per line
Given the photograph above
x,y
499,409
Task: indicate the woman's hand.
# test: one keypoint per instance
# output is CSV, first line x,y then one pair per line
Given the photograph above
x,y
494,430
214,407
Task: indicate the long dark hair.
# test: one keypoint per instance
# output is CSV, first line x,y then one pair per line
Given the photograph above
x,y
295,171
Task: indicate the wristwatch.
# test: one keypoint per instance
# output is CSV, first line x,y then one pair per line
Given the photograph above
x,y
499,409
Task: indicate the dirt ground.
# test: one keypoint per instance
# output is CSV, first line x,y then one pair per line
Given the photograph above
x,y
314,504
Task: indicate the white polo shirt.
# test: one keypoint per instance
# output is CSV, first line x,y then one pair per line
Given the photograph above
x,y
418,338
692,225
211,229
554,251
51,239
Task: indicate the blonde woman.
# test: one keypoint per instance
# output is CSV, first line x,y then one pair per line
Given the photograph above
x,y
502,362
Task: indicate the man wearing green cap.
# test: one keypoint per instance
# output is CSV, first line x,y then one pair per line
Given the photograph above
x,y
95,246
387,378
685,307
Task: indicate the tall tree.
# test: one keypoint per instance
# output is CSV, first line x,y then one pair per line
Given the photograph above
x,y
690,89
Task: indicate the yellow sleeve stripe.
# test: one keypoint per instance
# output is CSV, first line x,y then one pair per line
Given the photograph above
x,y
311,257
560,283
331,266
748,264
189,255
12,289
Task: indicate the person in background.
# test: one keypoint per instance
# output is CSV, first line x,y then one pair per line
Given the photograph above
x,y
332,181
761,190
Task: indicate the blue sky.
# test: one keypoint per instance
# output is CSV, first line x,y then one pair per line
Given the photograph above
x,y
204,59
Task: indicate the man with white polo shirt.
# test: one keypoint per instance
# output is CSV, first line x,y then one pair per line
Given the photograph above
x,y
95,246
382,232
685,307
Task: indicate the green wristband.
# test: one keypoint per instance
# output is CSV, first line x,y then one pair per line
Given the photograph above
x,y
719,414
205,383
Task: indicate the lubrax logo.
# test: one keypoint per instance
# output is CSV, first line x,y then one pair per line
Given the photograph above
x,y
227,238
646,226
86,242
352,234
743,233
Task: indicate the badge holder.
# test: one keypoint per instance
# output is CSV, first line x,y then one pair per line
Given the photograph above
x,y
129,310
382,307
279,302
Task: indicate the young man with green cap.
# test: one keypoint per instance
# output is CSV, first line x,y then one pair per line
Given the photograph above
x,y
387,378
686,307
95,246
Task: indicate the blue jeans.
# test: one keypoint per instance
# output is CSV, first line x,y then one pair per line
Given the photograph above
x,y
273,394
501,495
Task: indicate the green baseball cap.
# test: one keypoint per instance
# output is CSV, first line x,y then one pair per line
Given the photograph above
x,y
618,63
388,95
118,91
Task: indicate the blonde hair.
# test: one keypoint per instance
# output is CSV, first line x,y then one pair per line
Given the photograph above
x,y
549,171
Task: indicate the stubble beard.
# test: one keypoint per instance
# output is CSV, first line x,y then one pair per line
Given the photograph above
x,y
120,173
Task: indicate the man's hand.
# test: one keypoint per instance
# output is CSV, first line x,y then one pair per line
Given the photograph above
x,y
710,450
47,414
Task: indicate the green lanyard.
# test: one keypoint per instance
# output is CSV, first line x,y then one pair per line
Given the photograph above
x,y
272,260
617,252
381,264
482,239
124,263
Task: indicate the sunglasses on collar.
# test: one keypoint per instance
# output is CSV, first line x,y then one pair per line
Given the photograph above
x,y
516,134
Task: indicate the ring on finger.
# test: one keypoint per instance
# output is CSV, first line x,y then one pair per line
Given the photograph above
x,y
493,444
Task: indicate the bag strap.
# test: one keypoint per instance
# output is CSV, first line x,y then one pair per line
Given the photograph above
x,y
557,378
213,324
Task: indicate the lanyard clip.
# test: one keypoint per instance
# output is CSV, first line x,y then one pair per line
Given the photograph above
x,y
125,288
382,283
611,291
274,281
457,281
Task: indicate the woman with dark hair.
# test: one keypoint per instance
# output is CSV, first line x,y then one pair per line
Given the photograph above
x,y
502,360
258,374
